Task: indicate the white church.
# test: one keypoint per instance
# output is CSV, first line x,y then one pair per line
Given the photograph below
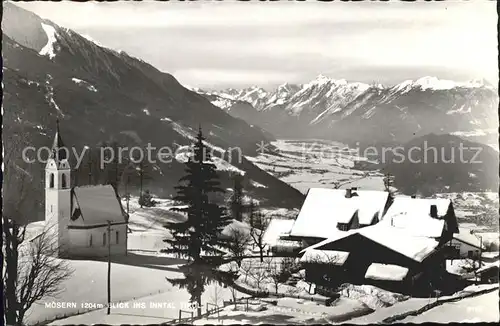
x,y
87,221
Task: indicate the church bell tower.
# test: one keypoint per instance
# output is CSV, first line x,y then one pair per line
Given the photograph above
x,y
58,193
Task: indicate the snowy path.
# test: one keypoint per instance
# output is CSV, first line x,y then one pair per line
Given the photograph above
x,y
483,308
414,304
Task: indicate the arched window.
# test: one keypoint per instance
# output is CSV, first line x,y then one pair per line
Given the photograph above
x,y
103,239
63,181
51,180
117,237
90,241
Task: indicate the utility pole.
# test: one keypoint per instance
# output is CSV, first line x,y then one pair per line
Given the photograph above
x,y
480,250
109,267
141,177
89,163
127,194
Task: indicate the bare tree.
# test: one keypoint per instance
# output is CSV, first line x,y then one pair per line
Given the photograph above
x,y
275,274
40,273
246,267
217,295
239,240
258,224
259,275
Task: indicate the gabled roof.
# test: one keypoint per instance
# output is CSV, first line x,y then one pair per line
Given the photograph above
x,y
466,237
398,240
275,229
418,206
97,205
323,208
416,224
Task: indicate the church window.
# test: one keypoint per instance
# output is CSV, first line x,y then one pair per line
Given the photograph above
x,y
104,239
117,237
51,180
63,182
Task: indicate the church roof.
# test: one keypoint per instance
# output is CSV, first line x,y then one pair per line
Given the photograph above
x,y
58,149
97,205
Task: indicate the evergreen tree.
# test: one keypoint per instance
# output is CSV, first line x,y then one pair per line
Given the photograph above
x,y
388,183
198,238
236,203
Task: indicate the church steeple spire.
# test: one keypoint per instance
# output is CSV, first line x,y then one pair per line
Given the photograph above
x,y
58,150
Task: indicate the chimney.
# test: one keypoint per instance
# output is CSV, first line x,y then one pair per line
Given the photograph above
x,y
413,196
434,211
348,193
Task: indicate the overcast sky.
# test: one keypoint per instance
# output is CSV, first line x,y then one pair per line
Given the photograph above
x,y
230,44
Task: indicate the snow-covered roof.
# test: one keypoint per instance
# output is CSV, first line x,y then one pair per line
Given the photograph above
x,y
418,206
490,254
386,272
275,229
487,267
323,208
399,240
98,204
416,224
236,226
466,237
331,257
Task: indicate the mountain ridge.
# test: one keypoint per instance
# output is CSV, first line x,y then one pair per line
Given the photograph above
x,y
402,111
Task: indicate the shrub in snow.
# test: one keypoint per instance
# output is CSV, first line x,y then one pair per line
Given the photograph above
x,y
146,200
372,296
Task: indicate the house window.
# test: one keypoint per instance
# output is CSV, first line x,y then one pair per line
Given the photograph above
x,y
343,226
104,239
51,180
63,182
470,254
90,241
117,237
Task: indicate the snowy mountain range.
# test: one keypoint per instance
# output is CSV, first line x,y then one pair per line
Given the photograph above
x,y
346,111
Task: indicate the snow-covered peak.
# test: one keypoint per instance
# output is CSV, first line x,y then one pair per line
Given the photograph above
x,y
90,39
48,49
434,83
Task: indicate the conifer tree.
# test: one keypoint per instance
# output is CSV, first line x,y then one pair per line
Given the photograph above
x,y
198,238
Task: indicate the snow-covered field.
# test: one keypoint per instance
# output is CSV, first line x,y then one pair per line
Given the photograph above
x,y
306,164
286,311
